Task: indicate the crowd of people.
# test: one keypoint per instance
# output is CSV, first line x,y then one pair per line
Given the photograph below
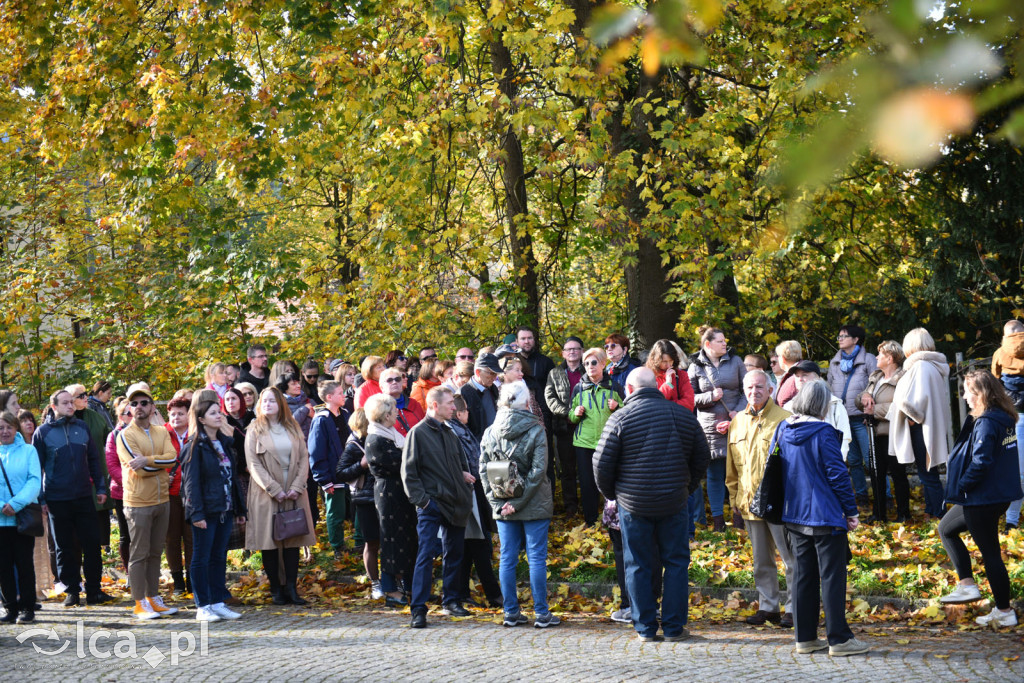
x,y
429,457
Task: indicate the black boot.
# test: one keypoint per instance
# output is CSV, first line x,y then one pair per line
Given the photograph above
x,y
292,595
276,595
179,582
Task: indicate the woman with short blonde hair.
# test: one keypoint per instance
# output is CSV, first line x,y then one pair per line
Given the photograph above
x,y
399,542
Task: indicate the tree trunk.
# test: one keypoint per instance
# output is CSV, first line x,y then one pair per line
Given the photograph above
x,y
513,177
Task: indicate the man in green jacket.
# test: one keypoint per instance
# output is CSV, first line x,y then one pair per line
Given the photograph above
x,y
436,479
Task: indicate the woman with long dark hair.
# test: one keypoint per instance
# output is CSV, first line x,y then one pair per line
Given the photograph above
x,y
982,477
213,503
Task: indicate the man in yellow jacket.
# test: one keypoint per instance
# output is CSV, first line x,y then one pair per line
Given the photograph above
x,y
146,454
750,434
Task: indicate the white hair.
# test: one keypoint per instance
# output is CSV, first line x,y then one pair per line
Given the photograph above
x,y
514,395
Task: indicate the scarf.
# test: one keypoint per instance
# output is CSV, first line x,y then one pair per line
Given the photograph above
x,y
388,432
846,360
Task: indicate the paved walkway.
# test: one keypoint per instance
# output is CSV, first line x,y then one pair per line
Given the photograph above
x,y
277,643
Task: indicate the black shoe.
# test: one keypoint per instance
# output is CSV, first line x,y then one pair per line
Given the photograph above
x,y
72,600
277,597
470,602
419,619
786,621
27,617
454,609
759,618
38,606
10,617
397,603
98,598
1010,526
496,602
292,595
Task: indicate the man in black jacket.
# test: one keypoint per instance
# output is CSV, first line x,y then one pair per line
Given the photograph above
x,y
435,477
651,456
540,367
254,369
558,397
481,395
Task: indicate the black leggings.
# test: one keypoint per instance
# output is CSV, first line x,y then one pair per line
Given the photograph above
x,y
982,522
886,464
125,541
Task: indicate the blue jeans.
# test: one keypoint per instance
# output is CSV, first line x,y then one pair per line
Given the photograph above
x,y
449,546
640,535
934,497
514,535
1013,512
858,455
716,486
209,560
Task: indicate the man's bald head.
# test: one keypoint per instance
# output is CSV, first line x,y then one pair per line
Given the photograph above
x,y
640,378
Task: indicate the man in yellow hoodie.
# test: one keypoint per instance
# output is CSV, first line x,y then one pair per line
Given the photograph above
x,y
146,454
750,434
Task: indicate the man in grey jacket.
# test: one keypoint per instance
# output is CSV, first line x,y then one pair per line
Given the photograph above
x,y
651,456
437,482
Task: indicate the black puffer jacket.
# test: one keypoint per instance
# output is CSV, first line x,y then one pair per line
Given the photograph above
x,y
652,454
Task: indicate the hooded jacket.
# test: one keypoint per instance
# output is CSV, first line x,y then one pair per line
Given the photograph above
x,y
245,375
595,398
325,447
922,396
432,470
983,468
818,489
70,461
1009,357
651,456
519,436
21,463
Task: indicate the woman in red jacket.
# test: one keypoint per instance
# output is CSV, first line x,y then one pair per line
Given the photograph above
x,y
664,362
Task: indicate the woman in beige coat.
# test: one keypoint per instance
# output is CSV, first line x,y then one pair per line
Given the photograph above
x,y
278,461
875,402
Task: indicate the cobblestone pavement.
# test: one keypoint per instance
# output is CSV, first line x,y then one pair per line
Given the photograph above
x,y
277,643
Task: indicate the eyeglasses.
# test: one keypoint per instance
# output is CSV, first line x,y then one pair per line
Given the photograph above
x,y
591,362
81,395
259,357
573,349
610,346
310,378
464,357
430,357
143,403
393,380
842,336
401,358
126,413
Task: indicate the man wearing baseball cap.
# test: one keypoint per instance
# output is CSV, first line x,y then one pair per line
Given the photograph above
x,y
481,395
146,454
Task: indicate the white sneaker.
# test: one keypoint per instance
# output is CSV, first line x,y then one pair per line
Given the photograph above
x,y
157,603
997,617
224,612
206,614
962,593
623,616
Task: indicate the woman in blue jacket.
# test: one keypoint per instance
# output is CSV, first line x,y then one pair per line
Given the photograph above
x,y
982,477
818,509
21,487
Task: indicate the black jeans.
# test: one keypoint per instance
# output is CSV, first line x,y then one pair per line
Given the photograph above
x,y
16,553
566,466
887,465
479,552
70,520
819,576
125,542
588,487
982,522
